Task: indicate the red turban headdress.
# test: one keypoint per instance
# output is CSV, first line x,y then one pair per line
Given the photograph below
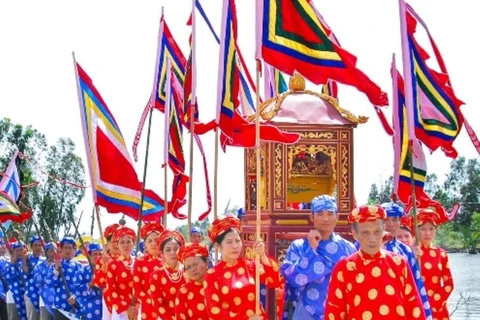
x,y
406,222
192,250
367,213
149,228
124,231
167,234
221,225
110,230
436,215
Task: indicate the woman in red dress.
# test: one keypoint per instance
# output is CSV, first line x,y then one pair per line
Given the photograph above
x,y
434,264
143,268
190,301
165,282
119,282
230,285
110,253
406,231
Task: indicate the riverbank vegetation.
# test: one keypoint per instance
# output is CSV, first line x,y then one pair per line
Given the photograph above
x,y
461,185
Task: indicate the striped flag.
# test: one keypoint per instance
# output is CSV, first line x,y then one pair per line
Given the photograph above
x,y
115,183
10,195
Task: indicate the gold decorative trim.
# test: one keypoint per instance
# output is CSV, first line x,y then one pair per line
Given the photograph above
x,y
318,135
342,223
344,170
278,170
292,222
345,206
278,204
278,100
253,222
296,83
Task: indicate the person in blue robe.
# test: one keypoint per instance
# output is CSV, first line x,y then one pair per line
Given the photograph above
x,y
3,285
392,225
89,296
66,302
309,261
15,276
40,273
32,301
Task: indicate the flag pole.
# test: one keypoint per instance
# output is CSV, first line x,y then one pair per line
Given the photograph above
x,y
409,103
215,184
192,121
166,144
258,186
142,195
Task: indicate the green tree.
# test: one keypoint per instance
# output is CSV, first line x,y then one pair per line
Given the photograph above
x,y
203,225
51,199
463,185
436,191
381,192
30,143
373,195
58,201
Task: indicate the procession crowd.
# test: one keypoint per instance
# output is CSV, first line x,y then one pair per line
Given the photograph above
x,y
383,275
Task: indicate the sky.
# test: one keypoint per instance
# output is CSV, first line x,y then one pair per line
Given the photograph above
x,y
115,41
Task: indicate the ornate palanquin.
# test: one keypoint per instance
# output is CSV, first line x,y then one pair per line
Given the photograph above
x,y
321,162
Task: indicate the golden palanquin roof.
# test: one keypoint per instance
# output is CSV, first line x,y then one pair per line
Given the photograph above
x,y
302,106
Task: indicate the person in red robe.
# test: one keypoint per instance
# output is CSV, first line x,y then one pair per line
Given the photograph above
x,y
166,281
230,285
406,231
190,301
110,253
434,264
372,283
119,281
144,267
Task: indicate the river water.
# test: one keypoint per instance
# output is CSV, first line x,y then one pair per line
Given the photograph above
x,y
466,276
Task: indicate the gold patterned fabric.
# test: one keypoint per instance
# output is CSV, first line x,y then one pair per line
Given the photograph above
x,y
149,228
221,225
406,222
124,231
368,287
110,230
429,215
171,234
192,250
367,213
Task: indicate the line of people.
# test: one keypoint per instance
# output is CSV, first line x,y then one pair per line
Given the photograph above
x,y
323,276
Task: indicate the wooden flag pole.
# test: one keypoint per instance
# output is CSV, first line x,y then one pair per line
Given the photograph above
x,y
142,195
99,224
258,187
165,209
215,184
409,103
192,122
166,143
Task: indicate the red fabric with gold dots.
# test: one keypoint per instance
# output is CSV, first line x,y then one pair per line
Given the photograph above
x,y
190,302
142,271
438,280
164,285
378,287
230,289
119,284
100,274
